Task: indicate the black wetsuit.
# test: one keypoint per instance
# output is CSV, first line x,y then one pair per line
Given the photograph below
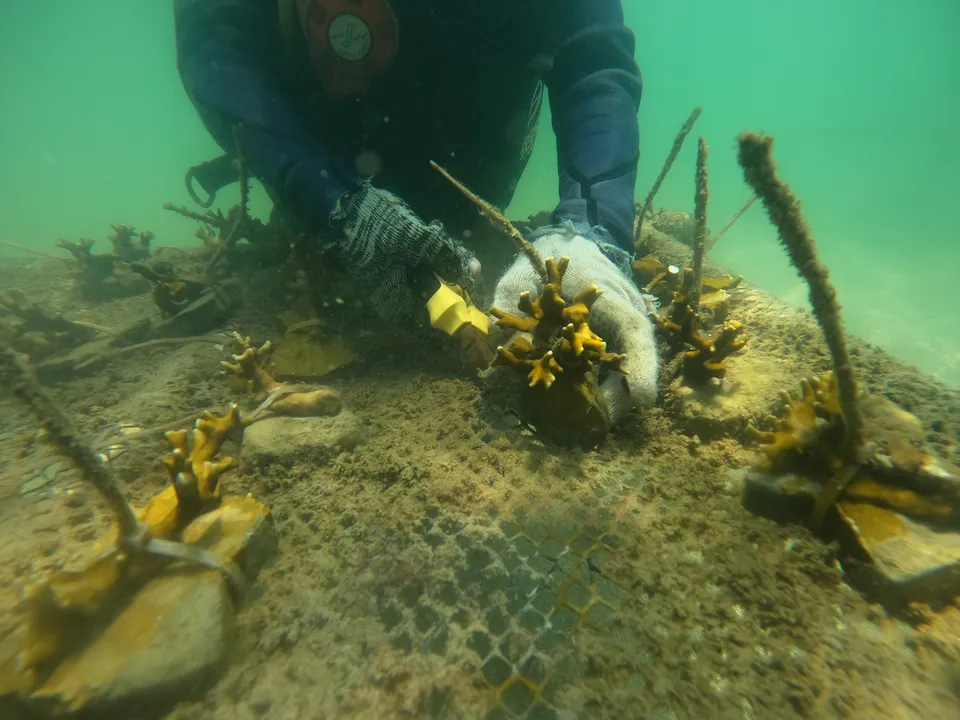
x,y
463,89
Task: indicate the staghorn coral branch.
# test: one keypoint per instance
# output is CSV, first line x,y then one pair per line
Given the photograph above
x,y
700,224
760,172
500,222
16,378
736,216
674,151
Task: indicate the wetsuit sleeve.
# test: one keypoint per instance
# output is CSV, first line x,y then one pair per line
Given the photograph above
x,y
228,58
594,86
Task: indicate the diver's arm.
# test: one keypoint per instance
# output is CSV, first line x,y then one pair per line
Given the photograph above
x,y
595,88
227,55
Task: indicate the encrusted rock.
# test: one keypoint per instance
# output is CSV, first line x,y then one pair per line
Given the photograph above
x,y
713,411
241,529
166,640
307,353
285,440
902,558
910,561
786,498
171,639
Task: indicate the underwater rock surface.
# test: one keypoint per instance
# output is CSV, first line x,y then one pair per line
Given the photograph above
x,y
172,638
714,412
240,529
908,560
284,440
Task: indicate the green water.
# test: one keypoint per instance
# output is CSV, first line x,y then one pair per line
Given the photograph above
x,y
861,96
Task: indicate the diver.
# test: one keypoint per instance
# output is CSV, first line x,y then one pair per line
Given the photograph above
x,y
338,107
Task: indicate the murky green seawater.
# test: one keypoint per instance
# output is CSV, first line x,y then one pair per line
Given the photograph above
x,y
861,97
435,555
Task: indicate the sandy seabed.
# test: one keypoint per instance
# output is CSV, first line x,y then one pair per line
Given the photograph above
x,y
456,566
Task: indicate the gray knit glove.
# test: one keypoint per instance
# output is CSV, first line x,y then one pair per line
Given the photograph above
x,y
380,240
619,316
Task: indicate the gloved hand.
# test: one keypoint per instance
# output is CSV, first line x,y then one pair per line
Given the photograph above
x,y
381,241
619,316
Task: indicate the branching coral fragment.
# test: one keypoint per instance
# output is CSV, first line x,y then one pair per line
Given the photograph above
x,y
173,294
807,428
210,238
220,233
194,474
811,438
523,324
128,244
104,276
297,400
544,371
562,339
91,267
192,466
81,249
707,357
658,279
249,365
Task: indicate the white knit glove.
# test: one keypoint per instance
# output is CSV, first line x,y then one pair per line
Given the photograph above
x,y
619,316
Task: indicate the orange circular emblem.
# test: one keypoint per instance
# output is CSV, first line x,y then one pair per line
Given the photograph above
x,y
351,42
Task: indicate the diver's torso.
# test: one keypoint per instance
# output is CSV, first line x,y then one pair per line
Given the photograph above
x,y
462,90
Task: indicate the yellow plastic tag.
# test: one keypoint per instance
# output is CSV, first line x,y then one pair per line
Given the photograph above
x,y
449,311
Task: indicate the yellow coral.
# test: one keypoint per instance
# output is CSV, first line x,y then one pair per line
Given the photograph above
x,y
194,473
658,279
581,338
724,282
648,267
196,467
808,431
248,366
707,357
808,438
50,609
562,338
545,371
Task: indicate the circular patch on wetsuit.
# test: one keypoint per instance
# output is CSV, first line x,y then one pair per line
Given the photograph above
x,y
349,37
